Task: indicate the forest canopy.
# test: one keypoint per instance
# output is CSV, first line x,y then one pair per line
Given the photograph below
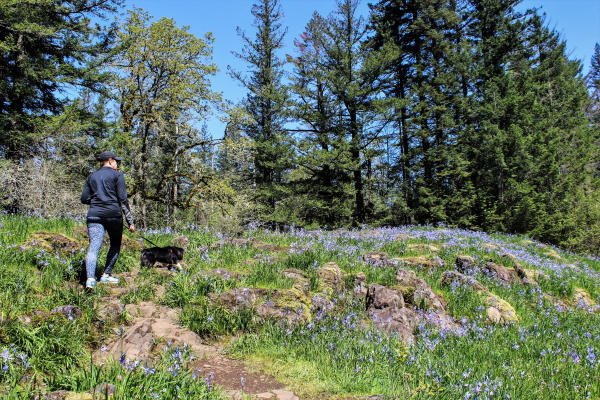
x,y
467,113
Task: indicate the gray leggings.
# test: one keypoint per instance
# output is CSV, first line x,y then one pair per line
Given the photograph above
x,y
96,233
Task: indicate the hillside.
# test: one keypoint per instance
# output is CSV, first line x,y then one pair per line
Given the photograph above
x,y
410,312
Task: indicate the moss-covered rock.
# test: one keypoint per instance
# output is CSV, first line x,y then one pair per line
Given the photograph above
x,y
53,242
422,247
507,312
582,299
331,279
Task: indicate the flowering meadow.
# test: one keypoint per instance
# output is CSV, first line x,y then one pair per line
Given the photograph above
x,y
324,346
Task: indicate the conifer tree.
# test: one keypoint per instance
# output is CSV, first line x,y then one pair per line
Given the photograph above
x,y
321,180
46,45
266,104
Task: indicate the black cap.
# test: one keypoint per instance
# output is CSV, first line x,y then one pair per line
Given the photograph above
x,y
105,155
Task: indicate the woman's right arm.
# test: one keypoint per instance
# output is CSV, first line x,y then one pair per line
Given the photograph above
x,y
86,195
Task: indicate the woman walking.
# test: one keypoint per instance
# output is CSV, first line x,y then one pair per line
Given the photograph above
x,y
105,192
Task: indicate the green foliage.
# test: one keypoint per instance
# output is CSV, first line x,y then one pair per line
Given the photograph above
x,y
167,378
45,46
210,321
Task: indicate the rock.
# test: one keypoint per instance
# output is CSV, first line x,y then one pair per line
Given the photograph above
x,y
400,321
421,261
56,395
490,246
417,291
380,297
557,303
535,274
408,281
360,285
507,312
53,242
464,263
71,312
292,305
376,259
238,298
494,315
180,241
582,299
422,247
285,395
500,272
79,396
270,247
110,312
403,237
426,299
452,277
574,267
331,278
265,396
550,252
104,390
509,256
294,274
33,316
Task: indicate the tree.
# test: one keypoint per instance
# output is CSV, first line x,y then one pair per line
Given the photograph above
x,y
321,180
424,64
46,45
162,85
266,104
593,81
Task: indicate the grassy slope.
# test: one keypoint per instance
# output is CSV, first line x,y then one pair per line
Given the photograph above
x,y
549,354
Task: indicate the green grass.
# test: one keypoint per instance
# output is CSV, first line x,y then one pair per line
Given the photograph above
x,y
548,354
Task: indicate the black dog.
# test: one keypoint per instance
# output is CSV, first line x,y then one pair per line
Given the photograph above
x,y
169,255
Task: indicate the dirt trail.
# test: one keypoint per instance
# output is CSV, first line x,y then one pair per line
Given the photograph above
x,y
154,326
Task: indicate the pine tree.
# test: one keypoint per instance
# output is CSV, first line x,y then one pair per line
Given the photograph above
x,y
321,180
424,77
46,46
266,104
593,81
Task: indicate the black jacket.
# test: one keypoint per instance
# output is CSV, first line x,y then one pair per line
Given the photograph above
x,y
105,192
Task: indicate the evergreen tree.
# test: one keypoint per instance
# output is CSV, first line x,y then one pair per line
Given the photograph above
x,y
266,104
593,81
426,77
321,180
46,45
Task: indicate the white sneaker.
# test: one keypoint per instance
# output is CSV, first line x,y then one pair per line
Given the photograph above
x,y
90,283
109,279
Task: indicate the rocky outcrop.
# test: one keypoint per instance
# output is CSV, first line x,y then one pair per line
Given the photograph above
x,y
152,324
583,300
380,297
500,272
422,247
331,279
360,285
387,312
53,242
498,311
420,262
502,311
464,263
180,241
376,259
454,278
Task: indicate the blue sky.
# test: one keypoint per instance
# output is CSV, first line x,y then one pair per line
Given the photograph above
x,y
578,22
